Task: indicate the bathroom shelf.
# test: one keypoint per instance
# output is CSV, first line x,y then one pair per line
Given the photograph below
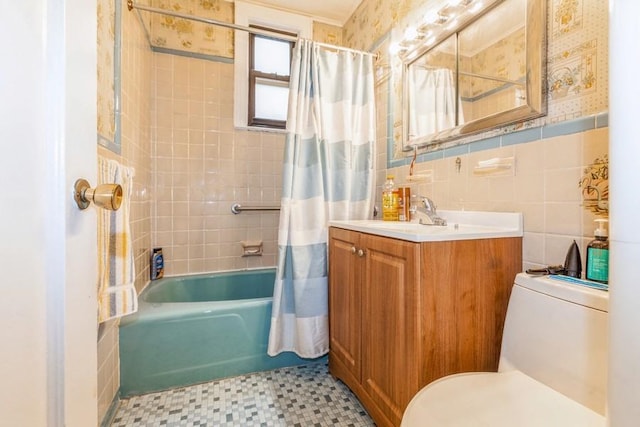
x,y
496,165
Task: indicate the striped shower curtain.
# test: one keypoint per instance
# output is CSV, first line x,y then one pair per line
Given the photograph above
x,y
433,102
328,175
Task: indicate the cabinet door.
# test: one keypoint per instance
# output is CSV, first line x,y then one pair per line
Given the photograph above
x,y
344,304
466,287
390,317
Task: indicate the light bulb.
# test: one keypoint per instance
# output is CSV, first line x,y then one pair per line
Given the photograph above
x,y
476,7
429,41
452,24
431,17
395,48
410,33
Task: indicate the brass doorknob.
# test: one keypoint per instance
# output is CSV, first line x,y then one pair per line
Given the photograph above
x,y
107,196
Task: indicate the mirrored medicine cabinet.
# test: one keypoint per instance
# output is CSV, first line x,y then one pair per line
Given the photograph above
x,y
488,73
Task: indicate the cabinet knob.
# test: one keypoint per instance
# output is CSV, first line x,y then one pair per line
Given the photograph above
x,y
353,249
360,252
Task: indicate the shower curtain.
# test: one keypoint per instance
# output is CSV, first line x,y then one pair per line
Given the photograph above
x,y
433,100
328,175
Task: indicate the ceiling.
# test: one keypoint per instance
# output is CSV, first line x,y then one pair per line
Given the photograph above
x,y
335,12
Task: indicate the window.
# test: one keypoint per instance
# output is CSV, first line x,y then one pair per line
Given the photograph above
x,y
248,14
269,71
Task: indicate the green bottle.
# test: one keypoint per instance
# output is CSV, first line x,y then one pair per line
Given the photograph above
x,y
598,254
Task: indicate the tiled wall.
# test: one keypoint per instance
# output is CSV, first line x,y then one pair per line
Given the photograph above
x,y
135,152
550,156
543,186
202,166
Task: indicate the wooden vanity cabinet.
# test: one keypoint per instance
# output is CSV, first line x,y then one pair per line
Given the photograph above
x,y
403,314
345,297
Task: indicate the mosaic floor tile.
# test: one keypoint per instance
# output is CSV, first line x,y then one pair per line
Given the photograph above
x,y
300,396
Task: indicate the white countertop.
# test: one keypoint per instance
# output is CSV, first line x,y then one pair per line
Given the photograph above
x,y
461,225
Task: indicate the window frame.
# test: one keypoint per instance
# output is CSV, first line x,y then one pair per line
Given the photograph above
x,y
247,14
255,75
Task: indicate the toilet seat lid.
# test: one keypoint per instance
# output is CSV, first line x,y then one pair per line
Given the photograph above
x,y
495,399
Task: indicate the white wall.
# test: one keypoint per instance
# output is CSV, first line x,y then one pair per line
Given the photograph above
x,y
624,366
48,247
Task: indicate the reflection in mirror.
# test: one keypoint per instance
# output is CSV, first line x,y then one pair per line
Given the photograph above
x,y
492,71
431,81
487,74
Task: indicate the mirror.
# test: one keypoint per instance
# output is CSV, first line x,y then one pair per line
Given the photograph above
x,y
486,74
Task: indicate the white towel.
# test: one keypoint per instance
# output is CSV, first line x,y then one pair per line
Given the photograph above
x,y
116,270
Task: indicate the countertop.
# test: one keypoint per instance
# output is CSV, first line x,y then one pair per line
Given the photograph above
x,y
461,225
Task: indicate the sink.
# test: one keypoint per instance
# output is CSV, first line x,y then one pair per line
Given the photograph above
x,y
461,225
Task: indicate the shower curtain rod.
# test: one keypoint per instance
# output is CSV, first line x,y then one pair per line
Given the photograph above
x,y
131,5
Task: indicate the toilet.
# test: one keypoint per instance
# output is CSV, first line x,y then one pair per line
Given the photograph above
x,y
552,370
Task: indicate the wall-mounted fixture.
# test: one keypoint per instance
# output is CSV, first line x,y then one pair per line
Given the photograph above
x,y
497,165
107,196
251,248
236,208
436,24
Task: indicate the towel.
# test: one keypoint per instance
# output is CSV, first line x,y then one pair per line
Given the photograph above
x,y
116,270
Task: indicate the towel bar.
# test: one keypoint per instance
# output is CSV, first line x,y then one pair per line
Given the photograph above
x,y
236,208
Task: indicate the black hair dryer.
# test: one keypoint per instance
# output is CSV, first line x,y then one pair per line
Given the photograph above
x,y
573,262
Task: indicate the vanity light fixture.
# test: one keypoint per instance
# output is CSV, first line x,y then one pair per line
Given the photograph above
x,y
396,48
434,18
411,33
476,7
430,41
435,23
456,3
452,25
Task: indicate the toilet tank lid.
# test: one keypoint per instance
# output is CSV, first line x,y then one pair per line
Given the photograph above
x,y
575,293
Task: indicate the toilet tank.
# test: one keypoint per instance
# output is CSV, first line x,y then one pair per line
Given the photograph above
x,y
556,333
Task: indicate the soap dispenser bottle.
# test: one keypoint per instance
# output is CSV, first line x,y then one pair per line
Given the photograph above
x,y
598,254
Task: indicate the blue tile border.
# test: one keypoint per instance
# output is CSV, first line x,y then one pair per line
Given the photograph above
x,y
602,120
459,150
425,157
195,55
567,128
114,145
111,411
521,137
582,124
109,144
484,144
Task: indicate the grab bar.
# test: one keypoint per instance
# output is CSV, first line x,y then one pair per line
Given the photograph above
x,y
236,208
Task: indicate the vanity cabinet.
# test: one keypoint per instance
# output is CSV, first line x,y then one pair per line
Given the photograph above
x,y
403,314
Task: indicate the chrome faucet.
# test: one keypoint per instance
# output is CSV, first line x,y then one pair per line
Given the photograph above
x,y
427,214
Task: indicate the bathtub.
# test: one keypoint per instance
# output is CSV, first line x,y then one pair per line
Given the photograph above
x,y
194,329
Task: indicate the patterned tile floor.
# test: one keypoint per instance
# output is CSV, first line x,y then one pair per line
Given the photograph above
x,y
301,396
